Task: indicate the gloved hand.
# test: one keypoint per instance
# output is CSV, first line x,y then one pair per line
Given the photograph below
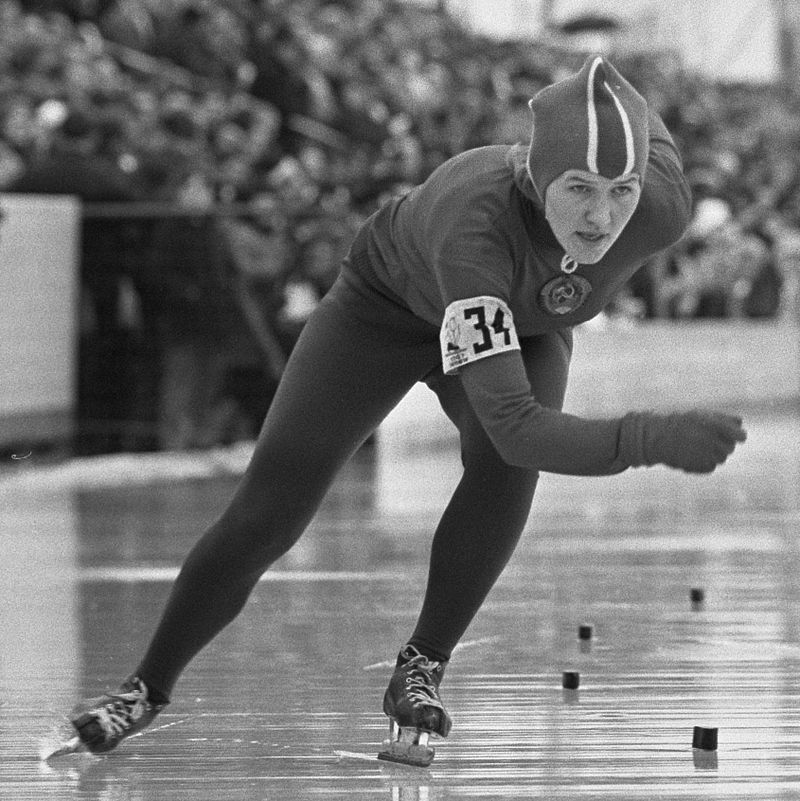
x,y
695,441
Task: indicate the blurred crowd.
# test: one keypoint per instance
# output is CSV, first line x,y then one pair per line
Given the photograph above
x,y
741,151
253,136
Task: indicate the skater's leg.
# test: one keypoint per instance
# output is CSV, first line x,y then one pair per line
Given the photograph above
x,y
345,374
474,540
488,511
472,544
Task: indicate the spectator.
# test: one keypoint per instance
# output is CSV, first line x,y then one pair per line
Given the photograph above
x,y
187,292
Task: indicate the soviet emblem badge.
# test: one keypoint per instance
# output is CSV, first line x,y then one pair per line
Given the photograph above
x,y
564,294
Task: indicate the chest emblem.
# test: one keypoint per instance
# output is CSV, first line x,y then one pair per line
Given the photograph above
x,y
564,294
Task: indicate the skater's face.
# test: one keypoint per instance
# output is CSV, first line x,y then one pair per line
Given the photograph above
x,y
587,212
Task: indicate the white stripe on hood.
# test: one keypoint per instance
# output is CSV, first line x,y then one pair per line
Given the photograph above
x,y
593,145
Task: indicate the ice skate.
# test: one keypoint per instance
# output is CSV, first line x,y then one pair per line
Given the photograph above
x,y
415,710
103,723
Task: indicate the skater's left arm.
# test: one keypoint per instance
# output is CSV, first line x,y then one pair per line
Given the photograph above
x,y
529,434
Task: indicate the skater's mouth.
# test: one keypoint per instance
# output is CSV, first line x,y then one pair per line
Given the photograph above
x,y
591,237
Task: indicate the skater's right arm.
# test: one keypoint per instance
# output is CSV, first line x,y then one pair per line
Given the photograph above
x,y
528,434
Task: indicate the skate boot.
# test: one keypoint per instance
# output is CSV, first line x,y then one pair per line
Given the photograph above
x,y
103,723
414,709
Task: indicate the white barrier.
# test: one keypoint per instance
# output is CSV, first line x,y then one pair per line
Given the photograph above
x,y
38,317
734,365
663,365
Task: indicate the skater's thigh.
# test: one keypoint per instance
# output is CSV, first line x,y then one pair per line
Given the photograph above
x,y
547,359
355,359
454,402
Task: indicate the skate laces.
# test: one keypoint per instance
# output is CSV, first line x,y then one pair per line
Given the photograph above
x,y
421,688
122,710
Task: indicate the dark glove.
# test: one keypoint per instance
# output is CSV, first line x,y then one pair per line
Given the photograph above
x,y
695,441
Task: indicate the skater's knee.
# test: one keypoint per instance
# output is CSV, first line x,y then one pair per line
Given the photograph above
x,y
488,461
246,542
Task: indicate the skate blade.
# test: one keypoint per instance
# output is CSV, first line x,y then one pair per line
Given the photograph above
x,y
405,753
73,746
361,756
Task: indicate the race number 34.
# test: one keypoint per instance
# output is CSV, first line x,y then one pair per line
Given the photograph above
x,y
475,328
496,327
